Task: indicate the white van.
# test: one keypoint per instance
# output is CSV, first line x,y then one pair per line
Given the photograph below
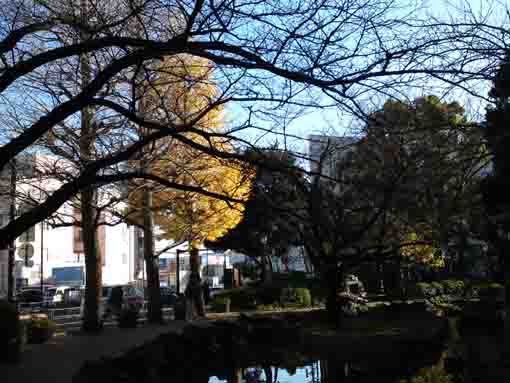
x,y
55,295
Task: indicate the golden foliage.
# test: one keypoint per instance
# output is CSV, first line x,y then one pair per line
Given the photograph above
x,y
415,247
182,92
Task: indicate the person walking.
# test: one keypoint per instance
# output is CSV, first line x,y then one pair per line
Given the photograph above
x,y
206,291
115,301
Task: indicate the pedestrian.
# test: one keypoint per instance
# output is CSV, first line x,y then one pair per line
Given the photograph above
x,y
207,292
116,297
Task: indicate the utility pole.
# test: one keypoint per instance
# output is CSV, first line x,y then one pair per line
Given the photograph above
x,y
178,271
42,259
12,246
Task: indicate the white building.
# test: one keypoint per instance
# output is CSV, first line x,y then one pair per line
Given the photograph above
x,y
57,250
331,150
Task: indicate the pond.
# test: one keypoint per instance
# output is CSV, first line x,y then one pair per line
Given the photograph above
x,y
323,371
477,354
272,351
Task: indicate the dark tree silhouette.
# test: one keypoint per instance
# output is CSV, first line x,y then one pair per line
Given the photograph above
x,y
496,187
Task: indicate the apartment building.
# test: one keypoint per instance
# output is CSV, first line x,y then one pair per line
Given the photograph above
x,y
53,250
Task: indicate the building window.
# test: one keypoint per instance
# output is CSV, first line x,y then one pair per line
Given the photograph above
x,y
28,236
184,264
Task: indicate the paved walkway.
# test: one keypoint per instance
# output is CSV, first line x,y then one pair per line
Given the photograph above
x,y
58,360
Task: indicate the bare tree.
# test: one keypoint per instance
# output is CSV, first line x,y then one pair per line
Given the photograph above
x,y
271,60
290,54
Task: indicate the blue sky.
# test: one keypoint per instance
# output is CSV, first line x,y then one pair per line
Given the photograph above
x,y
331,121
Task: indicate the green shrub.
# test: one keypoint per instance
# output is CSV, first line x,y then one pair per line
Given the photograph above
x,y
40,330
268,295
298,279
262,297
10,329
268,307
219,303
453,287
422,290
240,299
432,374
243,299
443,305
291,296
318,294
438,288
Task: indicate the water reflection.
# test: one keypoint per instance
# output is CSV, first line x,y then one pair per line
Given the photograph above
x,y
324,371
333,371
270,374
473,356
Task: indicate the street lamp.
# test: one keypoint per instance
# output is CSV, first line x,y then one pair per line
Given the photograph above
x,y
12,246
42,259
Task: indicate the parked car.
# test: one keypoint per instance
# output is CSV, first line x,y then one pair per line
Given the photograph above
x,y
132,298
30,296
168,296
73,296
56,295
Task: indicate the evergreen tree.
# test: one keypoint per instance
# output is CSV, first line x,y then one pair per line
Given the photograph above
x,y
496,187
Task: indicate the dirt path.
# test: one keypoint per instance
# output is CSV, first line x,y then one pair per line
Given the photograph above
x,y
58,360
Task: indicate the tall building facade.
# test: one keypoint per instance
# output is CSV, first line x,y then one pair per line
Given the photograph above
x,y
54,252
325,152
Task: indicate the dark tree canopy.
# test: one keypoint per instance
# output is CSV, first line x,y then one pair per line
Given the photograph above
x,y
269,225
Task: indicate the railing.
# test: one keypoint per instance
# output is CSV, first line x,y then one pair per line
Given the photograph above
x,y
70,317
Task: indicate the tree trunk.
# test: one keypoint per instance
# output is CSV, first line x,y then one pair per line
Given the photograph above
x,y
330,281
268,372
236,375
333,370
380,275
461,267
193,292
267,270
151,262
93,271
91,320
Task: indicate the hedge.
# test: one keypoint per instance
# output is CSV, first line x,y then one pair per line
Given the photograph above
x,y
296,296
454,287
266,297
40,330
475,289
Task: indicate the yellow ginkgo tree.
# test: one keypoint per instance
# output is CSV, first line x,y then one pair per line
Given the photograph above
x,y
415,247
183,95
183,92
